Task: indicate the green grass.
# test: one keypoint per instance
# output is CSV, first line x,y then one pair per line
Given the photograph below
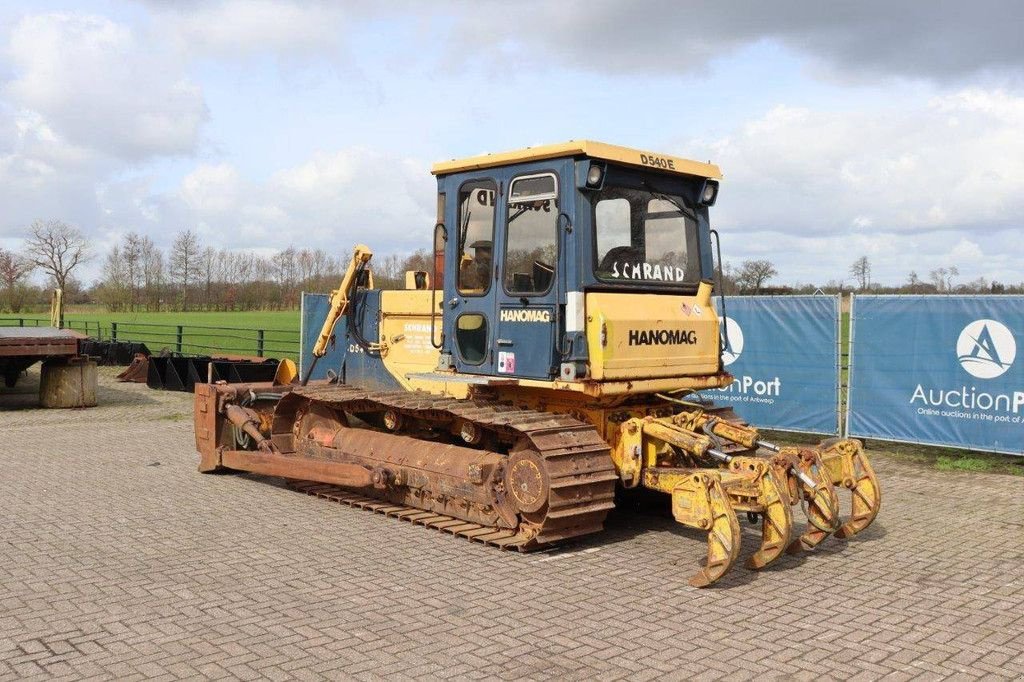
x,y
948,459
203,333
972,461
254,319
844,332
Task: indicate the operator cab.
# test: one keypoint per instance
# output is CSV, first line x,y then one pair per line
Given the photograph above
x,y
570,262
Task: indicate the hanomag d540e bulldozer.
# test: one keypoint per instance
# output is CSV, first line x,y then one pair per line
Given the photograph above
x,y
549,356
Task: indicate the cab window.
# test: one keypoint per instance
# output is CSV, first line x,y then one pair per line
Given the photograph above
x,y
477,200
531,246
644,237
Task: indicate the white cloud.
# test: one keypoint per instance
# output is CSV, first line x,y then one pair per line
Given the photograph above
x,y
92,107
932,185
332,200
966,252
234,28
212,189
943,40
86,98
825,172
98,85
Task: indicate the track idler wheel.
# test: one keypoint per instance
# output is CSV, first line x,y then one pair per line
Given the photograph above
x,y
526,481
848,466
699,501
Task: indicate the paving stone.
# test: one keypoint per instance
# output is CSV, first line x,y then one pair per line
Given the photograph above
x,y
119,560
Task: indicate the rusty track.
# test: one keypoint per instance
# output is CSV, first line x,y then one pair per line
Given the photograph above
x,y
488,535
577,465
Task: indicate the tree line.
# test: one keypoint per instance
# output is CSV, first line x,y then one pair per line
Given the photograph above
x,y
754,277
137,275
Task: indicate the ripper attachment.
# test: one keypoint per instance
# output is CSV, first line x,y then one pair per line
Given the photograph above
x,y
659,455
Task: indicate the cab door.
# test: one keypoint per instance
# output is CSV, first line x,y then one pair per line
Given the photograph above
x,y
528,269
470,278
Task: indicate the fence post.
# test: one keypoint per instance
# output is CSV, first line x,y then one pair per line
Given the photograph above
x,y
259,343
21,321
113,331
178,340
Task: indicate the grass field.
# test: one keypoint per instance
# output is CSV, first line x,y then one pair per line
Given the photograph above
x,y
229,333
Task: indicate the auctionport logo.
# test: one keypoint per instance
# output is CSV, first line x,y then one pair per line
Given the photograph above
x,y
731,350
985,349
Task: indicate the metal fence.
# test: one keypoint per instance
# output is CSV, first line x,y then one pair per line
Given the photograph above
x,y
181,338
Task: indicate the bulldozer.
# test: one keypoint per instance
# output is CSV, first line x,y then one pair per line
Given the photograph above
x,y
553,354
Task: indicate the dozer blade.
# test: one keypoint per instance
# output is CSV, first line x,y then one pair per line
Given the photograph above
x,y
699,501
848,466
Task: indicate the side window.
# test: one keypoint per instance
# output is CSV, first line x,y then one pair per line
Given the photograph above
x,y
476,236
615,243
531,248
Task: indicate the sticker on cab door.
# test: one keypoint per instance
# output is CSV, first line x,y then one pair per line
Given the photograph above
x,y
506,362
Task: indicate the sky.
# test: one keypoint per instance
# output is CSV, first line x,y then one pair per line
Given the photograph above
x,y
888,129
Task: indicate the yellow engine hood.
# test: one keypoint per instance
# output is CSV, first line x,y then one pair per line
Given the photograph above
x,y
643,336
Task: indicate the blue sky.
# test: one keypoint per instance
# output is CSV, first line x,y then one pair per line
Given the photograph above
x,y
894,131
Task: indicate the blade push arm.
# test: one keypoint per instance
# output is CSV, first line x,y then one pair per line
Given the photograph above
x,y
340,298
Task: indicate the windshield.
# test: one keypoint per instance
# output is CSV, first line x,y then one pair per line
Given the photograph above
x,y
644,237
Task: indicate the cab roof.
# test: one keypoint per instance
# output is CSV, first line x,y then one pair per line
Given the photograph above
x,y
587,148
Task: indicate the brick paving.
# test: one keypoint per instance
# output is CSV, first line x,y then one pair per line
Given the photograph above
x,y
118,560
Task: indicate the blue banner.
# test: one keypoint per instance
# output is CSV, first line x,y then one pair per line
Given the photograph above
x,y
941,370
784,353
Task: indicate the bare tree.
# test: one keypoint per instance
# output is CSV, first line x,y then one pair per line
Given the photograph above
x,y
57,248
131,258
861,271
184,262
942,278
726,274
114,289
209,262
286,268
754,273
13,271
152,275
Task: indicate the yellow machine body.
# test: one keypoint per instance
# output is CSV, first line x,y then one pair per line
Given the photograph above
x,y
543,363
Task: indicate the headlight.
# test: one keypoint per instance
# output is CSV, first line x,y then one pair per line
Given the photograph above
x,y
707,197
594,175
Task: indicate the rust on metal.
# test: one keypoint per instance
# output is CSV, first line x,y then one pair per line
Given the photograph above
x,y
548,477
22,347
137,371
